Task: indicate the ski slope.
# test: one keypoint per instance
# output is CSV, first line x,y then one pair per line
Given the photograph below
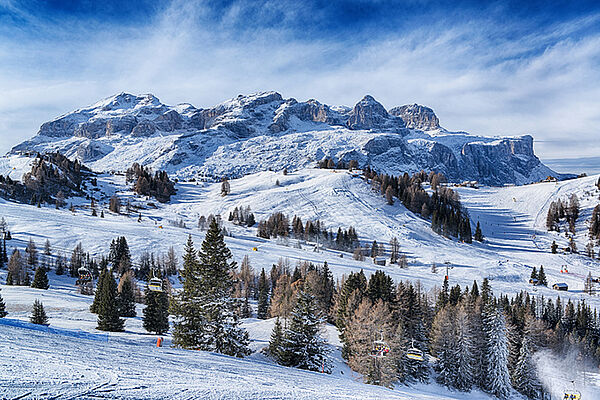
x,y
49,365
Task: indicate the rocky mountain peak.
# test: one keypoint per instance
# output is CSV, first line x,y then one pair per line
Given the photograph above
x,y
417,117
370,114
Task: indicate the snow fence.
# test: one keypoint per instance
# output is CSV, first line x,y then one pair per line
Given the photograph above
x,y
102,337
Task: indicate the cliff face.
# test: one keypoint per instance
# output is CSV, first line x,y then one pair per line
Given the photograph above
x,y
265,131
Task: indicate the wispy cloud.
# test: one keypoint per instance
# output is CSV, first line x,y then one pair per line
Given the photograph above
x,y
484,73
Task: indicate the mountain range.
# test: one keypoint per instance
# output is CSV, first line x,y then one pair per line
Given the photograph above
x,y
265,131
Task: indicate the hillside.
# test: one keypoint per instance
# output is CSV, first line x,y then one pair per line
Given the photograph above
x,y
264,131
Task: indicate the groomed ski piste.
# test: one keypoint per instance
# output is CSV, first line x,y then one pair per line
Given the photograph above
x,y
67,364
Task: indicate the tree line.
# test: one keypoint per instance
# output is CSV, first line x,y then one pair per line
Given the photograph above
x,y
157,185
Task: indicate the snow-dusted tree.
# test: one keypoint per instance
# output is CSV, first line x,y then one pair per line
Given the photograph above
x,y
525,378
156,312
303,346
77,260
40,279
276,342
465,349
106,303
3,312
126,296
47,248
38,314
497,381
205,309
542,280
263,295
444,346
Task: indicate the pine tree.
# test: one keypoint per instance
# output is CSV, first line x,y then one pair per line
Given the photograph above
x,y
276,343
478,234
444,344
542,280
263,296
464,351
38,314
208,319
156,312
126,295
303,347
3,312
246,311
497,381
40,279
525,376
554,247
108,307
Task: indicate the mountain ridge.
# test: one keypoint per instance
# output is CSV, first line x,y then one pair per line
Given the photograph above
x,y
262,131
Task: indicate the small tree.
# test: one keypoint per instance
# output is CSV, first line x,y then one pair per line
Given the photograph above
x,y
126,295
303,347
554,247
38,314
107,307
40,279
47,248
478,234
263,295
276,342
542,280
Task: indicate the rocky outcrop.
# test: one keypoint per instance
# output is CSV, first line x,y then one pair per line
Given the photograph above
x,y
309,111
369,114
417,117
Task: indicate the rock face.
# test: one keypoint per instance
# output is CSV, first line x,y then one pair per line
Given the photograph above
x,y
265,131
370,114
417,117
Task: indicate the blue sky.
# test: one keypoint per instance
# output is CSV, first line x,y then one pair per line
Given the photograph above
x,y
503,67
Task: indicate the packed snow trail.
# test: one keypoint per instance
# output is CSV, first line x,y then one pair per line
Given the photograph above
x,y
39,365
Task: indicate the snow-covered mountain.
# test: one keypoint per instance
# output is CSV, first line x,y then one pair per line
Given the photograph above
x,y
264,131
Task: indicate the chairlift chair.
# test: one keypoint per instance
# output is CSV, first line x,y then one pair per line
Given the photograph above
x,y
380,348
155,285
413,353
84,276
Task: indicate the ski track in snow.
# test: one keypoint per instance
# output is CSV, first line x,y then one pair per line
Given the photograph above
x,y
129,367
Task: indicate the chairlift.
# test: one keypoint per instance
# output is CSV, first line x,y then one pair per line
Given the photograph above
x,y
155,284
85,276
572,394
380,348
413,353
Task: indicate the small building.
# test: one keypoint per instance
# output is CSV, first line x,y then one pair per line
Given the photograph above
x,y
560,286
550,179
379,261
534,281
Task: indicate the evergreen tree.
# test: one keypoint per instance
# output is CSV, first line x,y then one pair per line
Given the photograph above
x,y
38,314
464,351
107,306
534,274
478,234
40,279
126,295
246,311
99,289
156,312
542,280
276,343
263,295
497,380
525,375
444,344
205,309
554,247
32,254
3,312
303,347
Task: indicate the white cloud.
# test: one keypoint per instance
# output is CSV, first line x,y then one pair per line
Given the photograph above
x,y
474,78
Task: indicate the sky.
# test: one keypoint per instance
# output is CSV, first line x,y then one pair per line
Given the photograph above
x,y
490,68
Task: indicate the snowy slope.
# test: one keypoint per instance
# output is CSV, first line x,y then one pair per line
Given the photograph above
x,y
128,366
264,131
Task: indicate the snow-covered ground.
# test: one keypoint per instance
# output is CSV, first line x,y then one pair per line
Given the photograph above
x,y
128,366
